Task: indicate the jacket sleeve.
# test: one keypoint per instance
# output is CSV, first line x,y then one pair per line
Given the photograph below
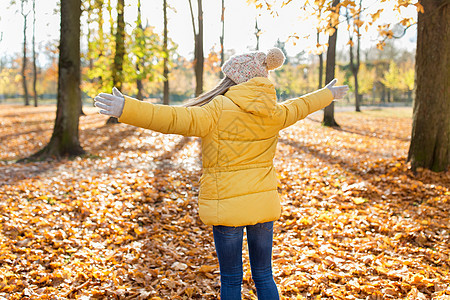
x,y
296,109
187,121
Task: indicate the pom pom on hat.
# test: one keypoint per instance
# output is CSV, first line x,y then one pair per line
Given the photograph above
x,y
275,59
241,68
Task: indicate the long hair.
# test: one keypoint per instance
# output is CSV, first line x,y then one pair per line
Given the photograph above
x,y
220,89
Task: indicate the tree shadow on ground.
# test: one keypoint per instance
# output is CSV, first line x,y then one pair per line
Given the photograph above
x,y
389,190
364,133
113,139
18,171
13,135
13,174
25,111
178,147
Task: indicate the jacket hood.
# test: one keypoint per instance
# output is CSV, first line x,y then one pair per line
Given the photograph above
x,y
256,96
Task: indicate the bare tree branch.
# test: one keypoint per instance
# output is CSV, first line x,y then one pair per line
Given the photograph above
x,y
192,17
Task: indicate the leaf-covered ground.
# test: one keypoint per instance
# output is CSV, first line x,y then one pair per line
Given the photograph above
x,y
122,223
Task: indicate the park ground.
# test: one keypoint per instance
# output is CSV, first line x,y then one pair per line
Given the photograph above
x,y
122,221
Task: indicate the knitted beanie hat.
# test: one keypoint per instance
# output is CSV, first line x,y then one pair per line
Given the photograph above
x,y
241,68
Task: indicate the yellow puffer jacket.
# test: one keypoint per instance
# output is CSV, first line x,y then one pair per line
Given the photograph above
x,y
239,134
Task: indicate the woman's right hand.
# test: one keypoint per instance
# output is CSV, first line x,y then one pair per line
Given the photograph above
x,y
110,104
337,91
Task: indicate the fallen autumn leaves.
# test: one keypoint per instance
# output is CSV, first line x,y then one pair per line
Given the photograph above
x,y
122,223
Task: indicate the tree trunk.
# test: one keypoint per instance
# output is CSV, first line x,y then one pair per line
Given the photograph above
x,y
139,84
199,52
328,114
120,46
24,59
373,95
64,140
354,66
357,65
90,7
257,33
320,70
430,137
355,71
357,95
320,63
139,63
101,44
222,36
100,49
34,56
166,58
120,52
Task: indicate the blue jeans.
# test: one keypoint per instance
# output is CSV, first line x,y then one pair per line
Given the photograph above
x,y
228,242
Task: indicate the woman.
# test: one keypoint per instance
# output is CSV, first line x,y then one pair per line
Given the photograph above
x,y
238,122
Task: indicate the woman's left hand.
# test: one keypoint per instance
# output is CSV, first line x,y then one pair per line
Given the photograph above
x,y
337,91
110,104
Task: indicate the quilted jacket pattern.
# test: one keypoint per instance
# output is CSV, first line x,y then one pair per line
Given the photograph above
x,y
239,133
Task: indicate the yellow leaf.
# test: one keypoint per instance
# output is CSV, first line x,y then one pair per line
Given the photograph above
x,y
417,279
398,236
207,268
305,221
330,31
376,15
358,22
189,291
290,222
419,7
359,200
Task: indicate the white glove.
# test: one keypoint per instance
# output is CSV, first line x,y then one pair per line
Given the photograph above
x,y
337,91
111,105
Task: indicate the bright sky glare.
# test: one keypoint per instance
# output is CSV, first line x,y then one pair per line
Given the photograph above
x,y
239,26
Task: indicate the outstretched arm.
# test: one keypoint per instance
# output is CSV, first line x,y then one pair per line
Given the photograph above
x,y
188,121
298,108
